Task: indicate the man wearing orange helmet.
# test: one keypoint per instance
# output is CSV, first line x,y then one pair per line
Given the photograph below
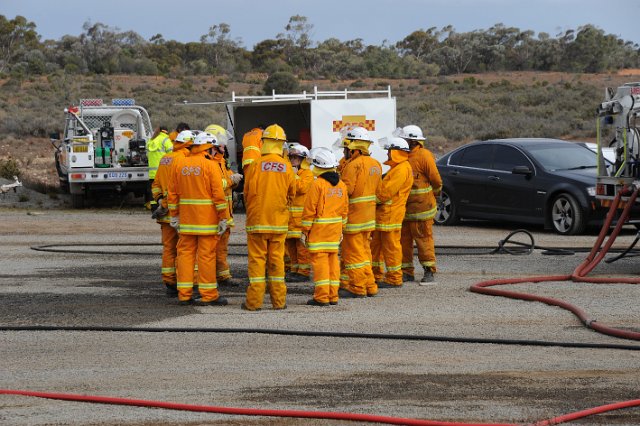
x,y
268,192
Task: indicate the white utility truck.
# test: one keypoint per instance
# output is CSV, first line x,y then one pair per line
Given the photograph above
x,y
103,149
313,119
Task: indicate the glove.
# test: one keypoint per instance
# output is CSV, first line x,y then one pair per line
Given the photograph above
x,y
236,178
222,226
160,211
303,239
175,223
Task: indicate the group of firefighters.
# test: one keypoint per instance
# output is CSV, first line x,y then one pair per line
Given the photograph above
x,y
303,209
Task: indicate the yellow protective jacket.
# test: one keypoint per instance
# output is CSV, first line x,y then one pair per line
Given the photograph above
x,y
392,195
269,190
325,213
427,184
304,179
156,149
361,175
160,186
196,195
227,184
251,144
341,165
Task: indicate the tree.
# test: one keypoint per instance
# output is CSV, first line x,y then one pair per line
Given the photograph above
x,y
17,36
220,48
281,82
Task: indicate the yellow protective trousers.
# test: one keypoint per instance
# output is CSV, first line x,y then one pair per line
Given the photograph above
x,y
222,249
326,276
422,233
266,256
299,257
202,247
169,251
387,254
356,258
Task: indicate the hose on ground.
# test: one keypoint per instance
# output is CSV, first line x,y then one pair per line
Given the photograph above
x,y
597,253
314,333
370,418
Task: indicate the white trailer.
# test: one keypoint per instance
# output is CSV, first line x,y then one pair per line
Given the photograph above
x,y
313,119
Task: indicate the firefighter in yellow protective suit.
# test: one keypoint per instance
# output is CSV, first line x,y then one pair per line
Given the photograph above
x,y
421,207
157,147
298,253
391,199
362,175
160,192
324,216
269,190
200,213
230,180
251,147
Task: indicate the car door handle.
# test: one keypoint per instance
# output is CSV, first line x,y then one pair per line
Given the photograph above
x,y
494,178
454,172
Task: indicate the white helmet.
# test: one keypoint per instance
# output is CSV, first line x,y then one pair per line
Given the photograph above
x,y
395,143
298,150
185,136
358,133
412,132
204,138
323,158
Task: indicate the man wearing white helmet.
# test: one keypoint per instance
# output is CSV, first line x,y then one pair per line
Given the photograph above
x,y
391,199
421,207
159,191
361,175
298,253
230,181
199,212
324,216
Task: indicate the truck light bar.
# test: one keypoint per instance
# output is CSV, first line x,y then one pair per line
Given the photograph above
x,y
123,102
91,102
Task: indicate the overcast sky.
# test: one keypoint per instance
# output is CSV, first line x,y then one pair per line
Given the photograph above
x,y
373,21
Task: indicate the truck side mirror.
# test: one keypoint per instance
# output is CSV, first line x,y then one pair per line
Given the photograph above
x,y
55,135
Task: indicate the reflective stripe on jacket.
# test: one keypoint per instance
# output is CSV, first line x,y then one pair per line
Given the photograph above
x,y
427,184
269,190
304,179
156,149
196,195
361,175
325,214
160,186
392,197
251,144
227,184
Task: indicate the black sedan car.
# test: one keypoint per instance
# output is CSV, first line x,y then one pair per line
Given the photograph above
x,y
537,181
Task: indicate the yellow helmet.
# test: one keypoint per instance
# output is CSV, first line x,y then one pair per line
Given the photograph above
x,y
274,132
221,134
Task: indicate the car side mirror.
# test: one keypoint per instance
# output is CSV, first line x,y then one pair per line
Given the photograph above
x,y
522,170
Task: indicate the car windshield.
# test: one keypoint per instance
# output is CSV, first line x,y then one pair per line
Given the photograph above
x,y
563,157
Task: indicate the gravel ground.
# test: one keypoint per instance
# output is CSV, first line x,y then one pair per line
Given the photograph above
x,y
419,379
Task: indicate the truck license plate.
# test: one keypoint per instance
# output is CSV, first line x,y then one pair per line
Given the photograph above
x,y
117,175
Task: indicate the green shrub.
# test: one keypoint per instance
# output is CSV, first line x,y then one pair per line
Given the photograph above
x,y
9,168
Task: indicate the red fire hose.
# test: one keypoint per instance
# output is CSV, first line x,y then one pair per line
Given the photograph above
x,y
329,415
579,275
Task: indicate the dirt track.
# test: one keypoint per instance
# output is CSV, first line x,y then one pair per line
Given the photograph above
x,y
429,380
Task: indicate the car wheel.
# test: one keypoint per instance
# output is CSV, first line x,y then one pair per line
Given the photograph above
x,y
447,213
566,215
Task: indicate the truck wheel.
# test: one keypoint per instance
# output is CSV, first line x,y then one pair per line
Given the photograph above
x,y
446,214
566,215
77,201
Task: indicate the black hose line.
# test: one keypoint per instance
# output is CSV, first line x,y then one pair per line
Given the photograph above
x,y
303,333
